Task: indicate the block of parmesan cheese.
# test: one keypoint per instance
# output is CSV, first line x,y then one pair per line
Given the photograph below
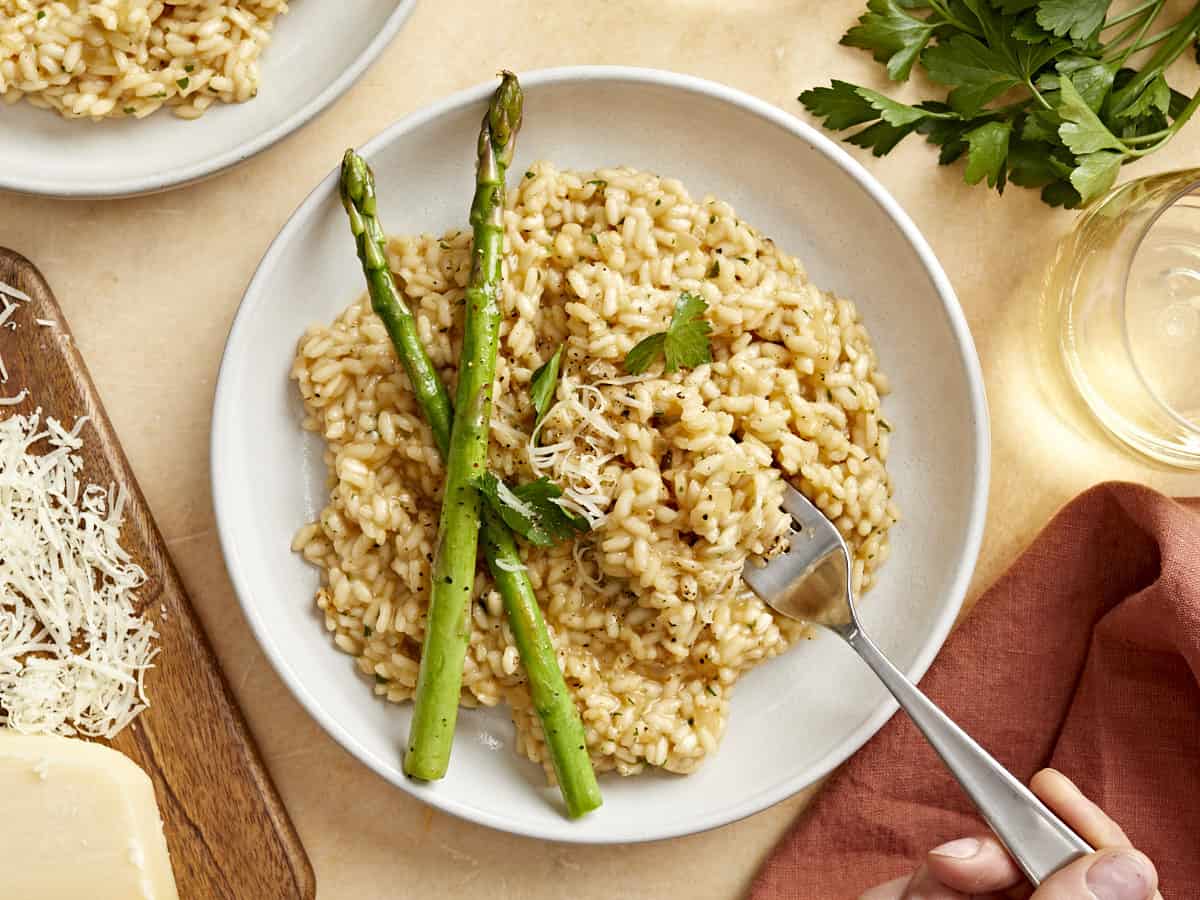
x,y
79,820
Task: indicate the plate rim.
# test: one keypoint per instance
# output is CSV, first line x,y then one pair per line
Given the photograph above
x,y
225,398
182,176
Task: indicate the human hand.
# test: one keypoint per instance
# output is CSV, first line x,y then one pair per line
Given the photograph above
x,y
980,868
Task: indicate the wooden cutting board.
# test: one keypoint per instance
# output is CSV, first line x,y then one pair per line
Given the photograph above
x,y
229,835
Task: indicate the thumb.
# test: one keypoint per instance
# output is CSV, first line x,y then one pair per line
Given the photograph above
x,y
1117,874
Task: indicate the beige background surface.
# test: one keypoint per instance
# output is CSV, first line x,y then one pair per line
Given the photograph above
x,y
150,286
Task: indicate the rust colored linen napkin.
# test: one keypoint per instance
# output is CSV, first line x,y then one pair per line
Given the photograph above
x,y
1084,656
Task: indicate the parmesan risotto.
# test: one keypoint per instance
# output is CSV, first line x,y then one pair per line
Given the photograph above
x,y
129,58
680,475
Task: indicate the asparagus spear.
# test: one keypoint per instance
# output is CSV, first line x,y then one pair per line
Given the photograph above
x,y
551,698
552,701
358,196
448,627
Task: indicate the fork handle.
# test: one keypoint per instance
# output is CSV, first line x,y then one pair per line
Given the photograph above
x,y
1037,839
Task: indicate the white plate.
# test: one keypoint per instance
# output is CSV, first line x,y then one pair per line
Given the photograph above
x,y
316,52
793,719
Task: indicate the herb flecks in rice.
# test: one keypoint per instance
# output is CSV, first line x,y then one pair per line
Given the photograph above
x,y
679,474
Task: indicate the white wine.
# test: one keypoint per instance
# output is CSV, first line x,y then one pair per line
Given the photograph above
x,y
1128,287
1162,310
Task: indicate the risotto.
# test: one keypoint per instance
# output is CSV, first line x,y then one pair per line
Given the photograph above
x,y
681,475
132,57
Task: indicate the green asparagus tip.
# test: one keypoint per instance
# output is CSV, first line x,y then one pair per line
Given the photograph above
x,y
504,116
357,184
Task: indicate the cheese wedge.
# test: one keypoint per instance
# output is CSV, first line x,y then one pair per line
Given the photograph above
x,y
78,820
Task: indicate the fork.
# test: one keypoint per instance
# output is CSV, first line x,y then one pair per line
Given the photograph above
x,y
811,582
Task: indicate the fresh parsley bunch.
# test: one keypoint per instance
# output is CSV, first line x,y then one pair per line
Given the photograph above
x,y
1042,92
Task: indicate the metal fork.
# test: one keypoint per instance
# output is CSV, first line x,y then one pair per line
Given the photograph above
x,y
811,582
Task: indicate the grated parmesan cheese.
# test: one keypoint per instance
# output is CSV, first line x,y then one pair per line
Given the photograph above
x,y
9,291
9,298
73,649
579,417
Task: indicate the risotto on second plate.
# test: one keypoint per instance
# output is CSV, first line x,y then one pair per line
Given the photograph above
x,y
680,474
129,58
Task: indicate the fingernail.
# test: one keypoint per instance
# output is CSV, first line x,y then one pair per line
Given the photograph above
x,y
963,848
1119,876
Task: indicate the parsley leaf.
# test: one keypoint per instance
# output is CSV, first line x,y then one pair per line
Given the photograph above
x,y
687,336
1024,59
532,510
840,105
1093,83
544,384
1093,80
644,352
982,70
1027,29
1042,125
1081,19
977,73
949,134
1096,173
987,151
880,138
1154,101
892,112
1029,165
894,36
1061,193
683,345
1081,130
845,105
